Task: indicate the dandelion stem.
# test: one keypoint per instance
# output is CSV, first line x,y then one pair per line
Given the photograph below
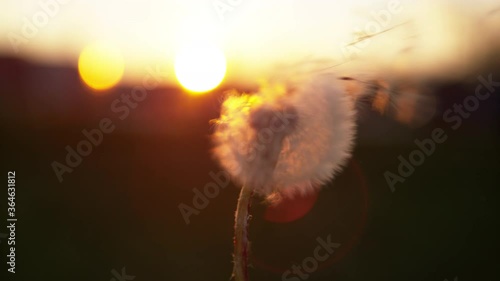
x,y
241,244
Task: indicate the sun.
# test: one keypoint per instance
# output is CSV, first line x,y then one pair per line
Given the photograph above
x,y
200,67
101,65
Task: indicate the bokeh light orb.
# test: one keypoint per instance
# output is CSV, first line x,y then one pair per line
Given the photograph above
x,y
200,67
101,65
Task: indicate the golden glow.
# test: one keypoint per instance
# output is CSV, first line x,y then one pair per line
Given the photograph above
x,y
243,102
200,67
268,93
101,66
272,91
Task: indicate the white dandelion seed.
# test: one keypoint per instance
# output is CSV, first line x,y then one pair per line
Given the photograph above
x,y
286,139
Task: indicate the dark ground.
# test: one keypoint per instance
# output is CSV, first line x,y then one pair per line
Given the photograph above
x,y
119,207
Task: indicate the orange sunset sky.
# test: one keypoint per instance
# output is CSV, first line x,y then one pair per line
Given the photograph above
x,y
256,37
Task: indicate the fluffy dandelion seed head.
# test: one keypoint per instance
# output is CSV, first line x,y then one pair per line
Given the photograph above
x,y
286,139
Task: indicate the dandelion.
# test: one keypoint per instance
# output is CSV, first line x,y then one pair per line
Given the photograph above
x,y
291,138
284,140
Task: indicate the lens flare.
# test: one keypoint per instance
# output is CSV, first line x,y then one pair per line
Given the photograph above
x,y
200,67
101,66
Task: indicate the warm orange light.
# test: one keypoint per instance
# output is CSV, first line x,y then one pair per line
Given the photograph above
x,y
200,67
101,66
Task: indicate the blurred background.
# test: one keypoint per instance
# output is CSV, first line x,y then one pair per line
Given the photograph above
x,y
125,68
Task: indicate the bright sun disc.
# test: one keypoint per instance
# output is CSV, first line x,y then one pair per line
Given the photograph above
x,y
101,66
200,68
